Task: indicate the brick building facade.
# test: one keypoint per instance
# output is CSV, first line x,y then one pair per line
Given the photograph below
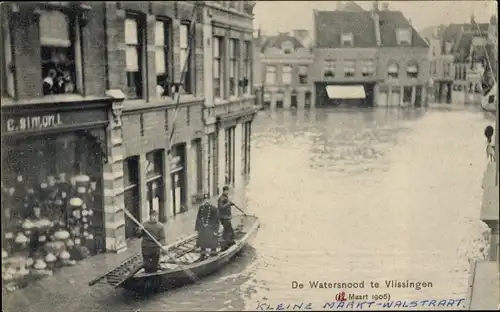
x,y
92,123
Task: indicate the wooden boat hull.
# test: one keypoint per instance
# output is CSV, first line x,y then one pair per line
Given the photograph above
x,y
174,275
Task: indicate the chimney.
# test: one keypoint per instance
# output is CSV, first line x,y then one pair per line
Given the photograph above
x,y
376,22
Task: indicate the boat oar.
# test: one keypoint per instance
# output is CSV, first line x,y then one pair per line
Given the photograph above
x,y
239,209
187,271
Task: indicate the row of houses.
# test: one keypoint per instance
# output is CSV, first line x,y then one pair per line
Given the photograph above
x,y
463,60
117,105
353,57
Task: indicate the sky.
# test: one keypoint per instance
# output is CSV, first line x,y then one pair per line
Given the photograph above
x,y
283,16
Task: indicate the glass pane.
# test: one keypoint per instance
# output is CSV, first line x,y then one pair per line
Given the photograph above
x,y
132,59
232,69
216,68
131,35
160,61
216,44
159,34
54,29
184,31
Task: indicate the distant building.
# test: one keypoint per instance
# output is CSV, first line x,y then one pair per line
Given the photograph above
x,y
368,58
283,69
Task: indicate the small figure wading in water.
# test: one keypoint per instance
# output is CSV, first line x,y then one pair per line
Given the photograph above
x,y
490,148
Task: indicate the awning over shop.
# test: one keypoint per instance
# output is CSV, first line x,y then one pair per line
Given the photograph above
x,y
346,92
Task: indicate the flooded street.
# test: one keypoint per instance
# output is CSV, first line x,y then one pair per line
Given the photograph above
x,y
346,196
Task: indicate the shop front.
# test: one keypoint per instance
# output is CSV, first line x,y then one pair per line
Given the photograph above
x,y
52,187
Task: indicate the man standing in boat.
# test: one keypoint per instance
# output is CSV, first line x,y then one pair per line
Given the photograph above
x,y
207,226
225,217
150,248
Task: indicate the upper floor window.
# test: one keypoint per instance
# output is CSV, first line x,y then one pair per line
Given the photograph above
x,y
247,67
233,66
412,70
349,69
368,68
303,74
271,75
393,71
134,40
329,70
287,74
8,89
347,40
218,68
287,47
403,36
163,62
60,54
186,58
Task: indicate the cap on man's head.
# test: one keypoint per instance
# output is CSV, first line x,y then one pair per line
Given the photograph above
x,y
225,188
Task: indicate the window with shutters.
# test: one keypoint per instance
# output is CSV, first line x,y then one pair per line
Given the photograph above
x,y
218,67
7,69
134,41
163,57
186,56
60,53
349,68
233,66
303,74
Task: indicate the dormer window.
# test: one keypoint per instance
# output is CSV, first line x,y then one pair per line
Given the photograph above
x,y
412,70
287,47
393,71
347,40
404,36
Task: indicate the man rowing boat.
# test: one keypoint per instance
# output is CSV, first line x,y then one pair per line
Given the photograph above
x,y
225,217
151,251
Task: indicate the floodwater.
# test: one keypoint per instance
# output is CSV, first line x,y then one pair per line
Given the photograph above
x,y
348,196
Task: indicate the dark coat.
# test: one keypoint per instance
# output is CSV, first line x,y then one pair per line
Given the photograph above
x,y
207,225
157,230
224,207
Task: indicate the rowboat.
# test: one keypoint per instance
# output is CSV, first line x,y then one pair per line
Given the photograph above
x,y
183,265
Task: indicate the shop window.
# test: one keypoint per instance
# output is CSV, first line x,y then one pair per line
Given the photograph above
x,y
131,193
233,66
349,69
134,40
51,205
229,140
60,53
163,57
393,71
412,71
329,70
186,56
271,75
218,49
246,81
154,183
303,74
368,69
287,75
7,68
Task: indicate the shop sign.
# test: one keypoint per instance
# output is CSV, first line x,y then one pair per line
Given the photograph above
x,y
32,123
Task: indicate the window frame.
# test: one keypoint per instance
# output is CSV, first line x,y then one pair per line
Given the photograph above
x,y
248,70
303,78
140,75
393,75
74,50
218,41
329,69
9,89
188,81
234,60
287,71
370,65
349,68
167,48
271,69
347,38
412,75
401,33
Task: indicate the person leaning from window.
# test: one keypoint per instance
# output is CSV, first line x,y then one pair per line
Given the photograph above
x,y
224,205
151,251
